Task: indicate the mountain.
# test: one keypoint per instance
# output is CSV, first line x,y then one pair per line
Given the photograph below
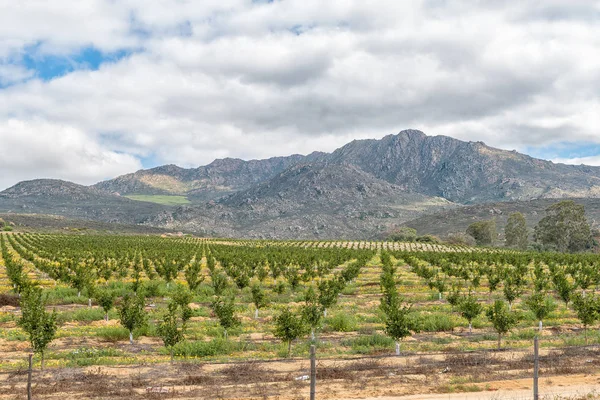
x,y
361,190
221,177
49,196
309,201
466,172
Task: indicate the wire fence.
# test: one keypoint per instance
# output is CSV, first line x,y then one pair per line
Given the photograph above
x,y
452,375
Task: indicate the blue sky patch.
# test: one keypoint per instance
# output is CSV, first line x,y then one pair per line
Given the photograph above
x,y
48,67
564,150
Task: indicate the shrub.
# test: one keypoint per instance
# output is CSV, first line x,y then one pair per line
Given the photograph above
x,y
215,347
83,314
369,344
436,323
112,333
342,322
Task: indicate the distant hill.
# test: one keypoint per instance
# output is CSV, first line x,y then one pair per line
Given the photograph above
x,y
457,220
310,201
221,177
59,224
361,190
49,196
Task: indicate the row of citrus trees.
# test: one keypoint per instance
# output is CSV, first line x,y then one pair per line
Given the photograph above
x,y
322,273
535,279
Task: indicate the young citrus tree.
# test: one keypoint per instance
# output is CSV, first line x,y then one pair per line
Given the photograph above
x,y
470,309
502,318
132,314
39,324
289,327
106,300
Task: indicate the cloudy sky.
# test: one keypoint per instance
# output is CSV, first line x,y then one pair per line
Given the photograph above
x,y
91,89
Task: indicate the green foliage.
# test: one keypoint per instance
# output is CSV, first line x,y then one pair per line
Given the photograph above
x,y
40,325
369,344
586,307
212,348
501,318
112,333
289,327
131,313
259,297
470,308
106,299
434,322
193,276
342,322
312,311
540,305
403,234
219,282
484,232
224,309
565,228
173,325
515,232
166,200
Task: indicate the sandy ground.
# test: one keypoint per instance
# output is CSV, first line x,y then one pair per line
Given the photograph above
x,y
568,387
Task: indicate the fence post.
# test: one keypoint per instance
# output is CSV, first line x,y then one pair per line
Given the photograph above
x,y
29,376
536,367
313,372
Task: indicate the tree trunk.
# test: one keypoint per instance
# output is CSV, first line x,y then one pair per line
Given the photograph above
x,y
225,333
89,303
171,351
397,348
130,337
289,349
106,317
470,328
541,325
79,293
499,341
42,364
312,334
256,314
440,296
325,313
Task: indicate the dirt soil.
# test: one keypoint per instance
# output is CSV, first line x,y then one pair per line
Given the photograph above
x,y
572,374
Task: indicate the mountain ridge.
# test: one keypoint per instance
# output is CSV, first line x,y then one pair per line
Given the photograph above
x,y
360,190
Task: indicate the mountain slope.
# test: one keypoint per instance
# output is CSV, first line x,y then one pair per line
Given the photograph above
x,y
221,177
361,190
466,172
317,200
49,196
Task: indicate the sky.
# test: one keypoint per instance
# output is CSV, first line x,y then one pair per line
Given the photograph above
x,y
93,89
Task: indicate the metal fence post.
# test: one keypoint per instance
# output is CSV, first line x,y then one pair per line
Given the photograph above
x,y
313,372
29,376
536,367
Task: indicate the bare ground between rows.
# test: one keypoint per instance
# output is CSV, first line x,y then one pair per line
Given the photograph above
x,y
359,378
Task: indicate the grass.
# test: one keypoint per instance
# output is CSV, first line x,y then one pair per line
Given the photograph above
x,y
165,200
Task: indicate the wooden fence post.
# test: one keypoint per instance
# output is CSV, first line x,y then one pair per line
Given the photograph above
x,y
536,367
29,376
313,372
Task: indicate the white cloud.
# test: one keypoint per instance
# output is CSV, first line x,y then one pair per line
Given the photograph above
x,y
40,149
256,79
